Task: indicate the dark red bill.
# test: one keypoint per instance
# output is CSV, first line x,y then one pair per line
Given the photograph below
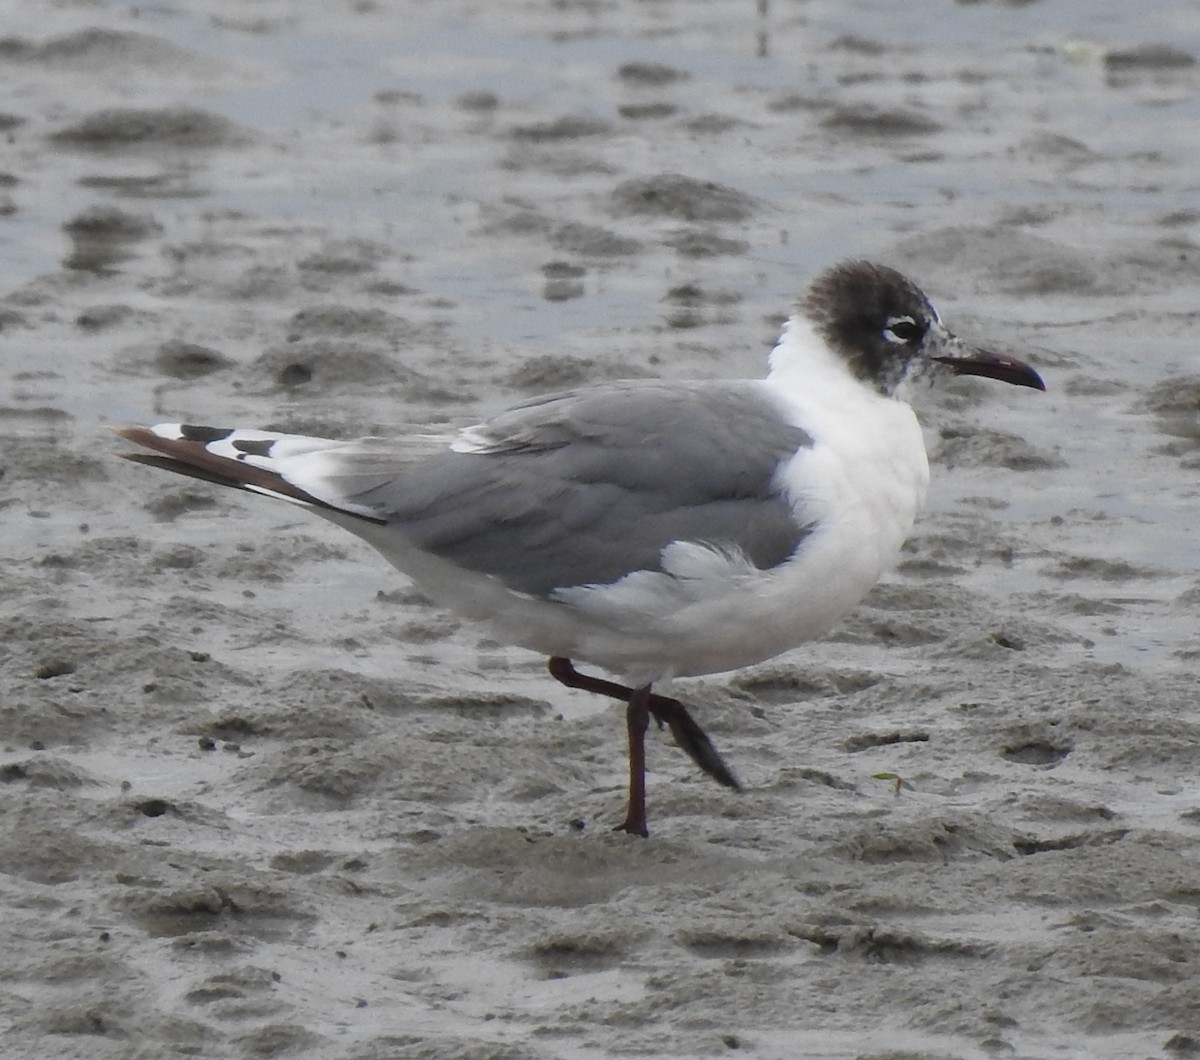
x,y
995,366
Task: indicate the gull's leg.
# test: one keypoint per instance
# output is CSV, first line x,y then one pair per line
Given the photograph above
x,y
670,712
637,720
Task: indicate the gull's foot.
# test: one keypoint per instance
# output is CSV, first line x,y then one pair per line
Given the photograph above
x,y
634,826
693,739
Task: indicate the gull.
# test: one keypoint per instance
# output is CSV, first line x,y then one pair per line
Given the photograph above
x,y
651,528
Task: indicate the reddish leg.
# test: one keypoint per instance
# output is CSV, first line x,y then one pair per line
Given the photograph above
x,y
670,712
637,721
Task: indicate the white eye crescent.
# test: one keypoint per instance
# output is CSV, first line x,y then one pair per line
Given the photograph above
x,y
903,330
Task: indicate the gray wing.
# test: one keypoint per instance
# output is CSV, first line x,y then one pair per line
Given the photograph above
x,y
584,487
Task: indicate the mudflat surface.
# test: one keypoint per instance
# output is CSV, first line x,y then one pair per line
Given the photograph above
x,y
261,799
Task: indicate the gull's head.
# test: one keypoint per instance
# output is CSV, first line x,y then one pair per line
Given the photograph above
x,y
888,333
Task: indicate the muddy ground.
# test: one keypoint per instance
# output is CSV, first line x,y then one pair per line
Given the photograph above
x,y
262,799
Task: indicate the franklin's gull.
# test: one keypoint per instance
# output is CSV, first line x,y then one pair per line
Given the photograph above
x,y
652,528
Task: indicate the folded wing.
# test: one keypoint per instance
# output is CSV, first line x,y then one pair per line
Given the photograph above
x,y
575,489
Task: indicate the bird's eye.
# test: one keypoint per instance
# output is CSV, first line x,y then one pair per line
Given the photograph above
x,y
903,330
